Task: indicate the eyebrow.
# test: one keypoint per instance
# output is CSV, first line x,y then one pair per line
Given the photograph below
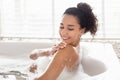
x,y
70,25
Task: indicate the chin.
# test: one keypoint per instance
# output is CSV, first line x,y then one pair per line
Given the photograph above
x,y
68,42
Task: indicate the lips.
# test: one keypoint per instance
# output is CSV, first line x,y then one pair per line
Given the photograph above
x,y
65,38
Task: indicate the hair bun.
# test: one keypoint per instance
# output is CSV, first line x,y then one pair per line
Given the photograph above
x,y
84,7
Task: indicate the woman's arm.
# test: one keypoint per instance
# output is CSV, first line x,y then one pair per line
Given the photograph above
x,y
37,53
58,63
45,52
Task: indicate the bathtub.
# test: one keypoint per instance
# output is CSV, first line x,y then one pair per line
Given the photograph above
x,y
99,59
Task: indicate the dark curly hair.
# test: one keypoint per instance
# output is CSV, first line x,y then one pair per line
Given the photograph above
x,y
86,18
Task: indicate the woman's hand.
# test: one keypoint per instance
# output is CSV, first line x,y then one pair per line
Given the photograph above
x,y
33,68
34,54
37,53
57,47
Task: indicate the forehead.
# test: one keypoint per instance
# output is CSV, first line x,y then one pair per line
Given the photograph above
x,y
69,19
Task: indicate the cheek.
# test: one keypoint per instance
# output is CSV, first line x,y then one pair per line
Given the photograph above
x,y
76,36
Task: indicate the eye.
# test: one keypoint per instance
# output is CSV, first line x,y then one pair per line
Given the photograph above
x,y
71,29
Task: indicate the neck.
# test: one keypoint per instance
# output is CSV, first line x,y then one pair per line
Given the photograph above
x,y
75,44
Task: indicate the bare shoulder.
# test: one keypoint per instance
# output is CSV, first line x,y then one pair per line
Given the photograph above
x,y
67,52
70,56
67,49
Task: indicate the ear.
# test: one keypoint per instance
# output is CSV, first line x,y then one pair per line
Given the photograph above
x,y
82,30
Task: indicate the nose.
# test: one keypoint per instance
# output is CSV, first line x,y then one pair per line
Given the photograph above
x,y
64,32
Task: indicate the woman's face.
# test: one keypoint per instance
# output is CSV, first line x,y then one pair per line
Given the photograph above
x,y
70,31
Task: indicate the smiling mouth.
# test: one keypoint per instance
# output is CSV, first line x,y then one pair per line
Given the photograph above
x,y
65,38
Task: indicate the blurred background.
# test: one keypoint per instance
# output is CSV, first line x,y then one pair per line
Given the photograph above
x,y
34,20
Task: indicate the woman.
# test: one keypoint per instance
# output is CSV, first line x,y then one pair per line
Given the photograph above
x,y
75,22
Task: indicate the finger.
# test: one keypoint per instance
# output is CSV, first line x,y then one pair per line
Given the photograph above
x,y
62,45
